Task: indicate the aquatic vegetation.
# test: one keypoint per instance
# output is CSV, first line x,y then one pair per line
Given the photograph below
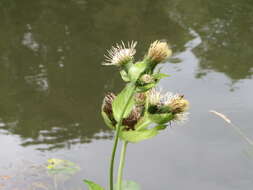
x,y
60,169
58,166
139,111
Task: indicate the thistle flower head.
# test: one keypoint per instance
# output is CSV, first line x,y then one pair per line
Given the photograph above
x,y
177,103
179,106
120,54
168,103
159,51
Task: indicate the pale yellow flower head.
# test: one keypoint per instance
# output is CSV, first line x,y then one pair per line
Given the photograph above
x,y
159,51
179,106
178,103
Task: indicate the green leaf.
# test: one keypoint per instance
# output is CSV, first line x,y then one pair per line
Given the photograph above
x,y
137,136
123,103
92,185
142,123
57,166
124,76
130,185
136,70
159,76
107,121
146,87
161,118
161,127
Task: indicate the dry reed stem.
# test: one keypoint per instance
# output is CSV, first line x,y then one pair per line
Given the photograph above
x,y
237,129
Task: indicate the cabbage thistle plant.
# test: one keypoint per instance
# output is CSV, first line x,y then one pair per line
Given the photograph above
x,y
139,111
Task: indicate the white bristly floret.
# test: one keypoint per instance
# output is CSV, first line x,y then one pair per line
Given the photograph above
x,y
156,97
121,54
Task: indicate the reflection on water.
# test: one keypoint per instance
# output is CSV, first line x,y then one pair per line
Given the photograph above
x,y
225,29
52,80
52,83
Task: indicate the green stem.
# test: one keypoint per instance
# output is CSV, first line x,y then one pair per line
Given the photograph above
x,y
116,139
121,165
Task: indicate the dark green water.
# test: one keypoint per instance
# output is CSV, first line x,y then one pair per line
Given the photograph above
x,y
52,85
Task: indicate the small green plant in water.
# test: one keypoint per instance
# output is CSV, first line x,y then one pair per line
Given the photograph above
x,y
60,169
139,111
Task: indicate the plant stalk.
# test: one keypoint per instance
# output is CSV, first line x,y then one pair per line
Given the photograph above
x,y
116,139
121,165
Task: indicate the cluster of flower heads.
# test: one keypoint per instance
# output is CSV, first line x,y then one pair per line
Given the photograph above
x,y
122,54
150,101
158,103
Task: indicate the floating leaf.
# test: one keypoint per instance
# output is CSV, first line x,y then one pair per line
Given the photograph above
x,y
136,70
57,166
39,185
92,185
5,177
123,103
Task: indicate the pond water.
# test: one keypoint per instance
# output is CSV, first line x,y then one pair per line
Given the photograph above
x,y
52,85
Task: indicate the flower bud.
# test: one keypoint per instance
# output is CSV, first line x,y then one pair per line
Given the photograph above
x,y
146,79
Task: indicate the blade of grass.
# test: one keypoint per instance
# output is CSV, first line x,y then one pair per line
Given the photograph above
x,y
237,129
